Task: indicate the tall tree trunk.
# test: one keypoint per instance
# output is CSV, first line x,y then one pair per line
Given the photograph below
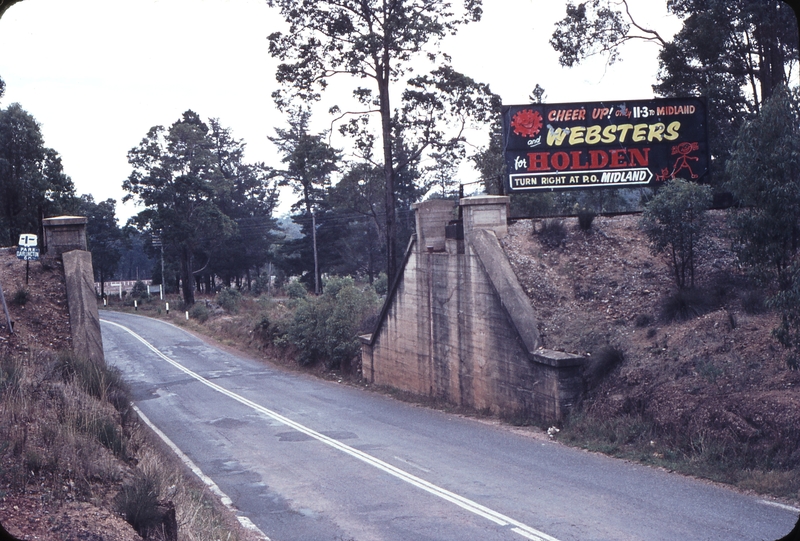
x,y
316,257
187,278
388,170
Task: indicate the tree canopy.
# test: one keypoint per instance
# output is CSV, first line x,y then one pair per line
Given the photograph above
x,y
199,195
764,175
33,184
375,41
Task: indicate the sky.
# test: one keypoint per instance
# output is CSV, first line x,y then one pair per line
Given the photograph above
x,y
98,74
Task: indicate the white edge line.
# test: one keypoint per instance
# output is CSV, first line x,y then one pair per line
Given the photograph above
x,y
781,506
226,501
461,501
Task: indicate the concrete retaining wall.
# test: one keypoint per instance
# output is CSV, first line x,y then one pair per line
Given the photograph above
x,y
458,326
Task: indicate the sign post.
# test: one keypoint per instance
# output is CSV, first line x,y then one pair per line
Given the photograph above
x,y
604,144
5,309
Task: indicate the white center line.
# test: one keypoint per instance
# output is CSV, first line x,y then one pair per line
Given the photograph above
x,y
465,503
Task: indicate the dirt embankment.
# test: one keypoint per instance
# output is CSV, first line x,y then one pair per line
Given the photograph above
x,y
719,378
73,456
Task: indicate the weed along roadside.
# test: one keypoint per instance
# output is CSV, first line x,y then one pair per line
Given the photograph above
x,y
75,462
690,380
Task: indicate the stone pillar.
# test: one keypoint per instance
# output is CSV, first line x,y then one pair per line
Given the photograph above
x,y
63,234
489,212
84,318
432,219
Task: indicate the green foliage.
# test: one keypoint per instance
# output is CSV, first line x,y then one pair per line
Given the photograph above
x,y
552,233
378,47
765,178
326,328
32,178
733,52
21,297
199,312
139,290
296,290
381,284
104,237
788,302
589,28
207,204
229,299
674,221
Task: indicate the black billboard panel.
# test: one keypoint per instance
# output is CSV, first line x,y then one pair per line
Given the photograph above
x,y
602,144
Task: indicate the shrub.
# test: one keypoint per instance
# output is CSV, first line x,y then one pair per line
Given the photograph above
x,y
262,284
552,233
21,297
674,221
199,312
754,302
109,435
643,320
683,305
326,328
603,362
229,299
585,219
763,179
139,290
381,284
296,290
788,302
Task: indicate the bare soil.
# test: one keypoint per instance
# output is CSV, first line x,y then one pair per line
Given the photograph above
x,y
57,483
718,380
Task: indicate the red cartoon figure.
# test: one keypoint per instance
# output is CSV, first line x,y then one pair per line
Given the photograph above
x,y
527,123
683,160
663,176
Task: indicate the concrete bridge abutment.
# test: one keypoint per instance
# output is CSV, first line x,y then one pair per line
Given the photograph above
x,y
458,327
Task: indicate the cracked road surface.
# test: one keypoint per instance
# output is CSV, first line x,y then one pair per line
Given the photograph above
x,y
306,459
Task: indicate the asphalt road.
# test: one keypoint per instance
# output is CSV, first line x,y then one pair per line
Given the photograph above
x,y
305,459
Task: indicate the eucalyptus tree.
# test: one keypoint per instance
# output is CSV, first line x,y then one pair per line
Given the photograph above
x,y
377,42
173,177
33,184
764,172
309,163
105,238
247,193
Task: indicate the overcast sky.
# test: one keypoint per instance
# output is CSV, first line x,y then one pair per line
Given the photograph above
x,y
97,74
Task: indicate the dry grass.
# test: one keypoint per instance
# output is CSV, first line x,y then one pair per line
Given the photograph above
x,y
66,424
200,515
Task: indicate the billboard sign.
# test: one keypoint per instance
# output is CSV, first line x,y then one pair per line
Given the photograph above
x,y
601,144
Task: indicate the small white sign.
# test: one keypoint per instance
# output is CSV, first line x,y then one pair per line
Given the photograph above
x,y
28,240
27,253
